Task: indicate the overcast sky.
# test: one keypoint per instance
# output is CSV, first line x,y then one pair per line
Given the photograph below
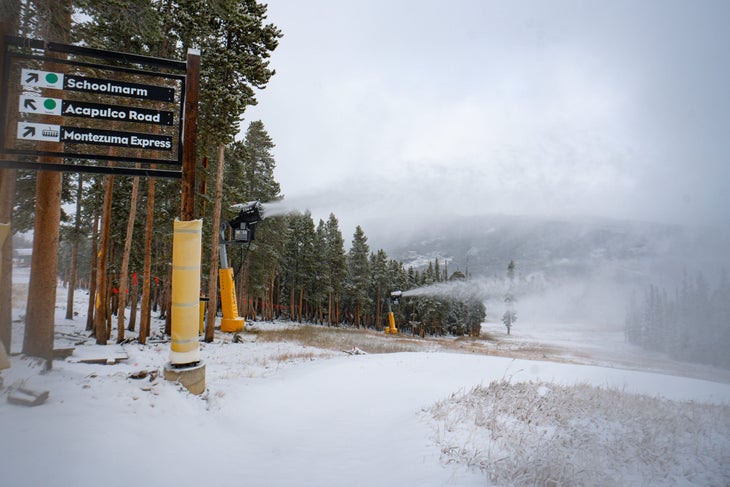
x,y
404,109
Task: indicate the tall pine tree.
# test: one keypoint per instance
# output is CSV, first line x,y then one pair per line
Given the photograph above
x,y
337,267
358,274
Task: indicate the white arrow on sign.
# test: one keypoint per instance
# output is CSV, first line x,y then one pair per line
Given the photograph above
x,y
38,104
39,131
41,79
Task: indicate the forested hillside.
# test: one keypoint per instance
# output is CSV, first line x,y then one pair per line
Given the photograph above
x,y
690,322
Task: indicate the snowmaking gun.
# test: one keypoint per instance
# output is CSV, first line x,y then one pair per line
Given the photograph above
x,y
244,232
395,299
244,225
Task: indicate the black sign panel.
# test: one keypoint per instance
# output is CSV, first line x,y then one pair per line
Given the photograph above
x,y
115,138
113,112
118,88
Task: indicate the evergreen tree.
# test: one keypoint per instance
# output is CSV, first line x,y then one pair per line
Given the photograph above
x,y
336,267
510,316
358,274
320,288
249,175
249,171
380,280
397,281
431,311
236,43
299,263
476,312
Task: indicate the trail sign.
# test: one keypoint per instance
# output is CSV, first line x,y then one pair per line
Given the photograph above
x,y
91,104
68,108
58,133
115,138
60,81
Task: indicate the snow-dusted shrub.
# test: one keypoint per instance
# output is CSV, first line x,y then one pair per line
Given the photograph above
x,y
544,434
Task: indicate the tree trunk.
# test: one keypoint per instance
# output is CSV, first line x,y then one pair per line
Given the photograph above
x,y
144,325
245,294
41,308
109,304
123,281
167,302
337,309
134,293
214,251
155,299
40,313
75,252
378,311
276,293
100,316
7,193
203,187
92,277
8,26
272,287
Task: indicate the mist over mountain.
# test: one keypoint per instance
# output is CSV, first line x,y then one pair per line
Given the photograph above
x,y
485,244
569,270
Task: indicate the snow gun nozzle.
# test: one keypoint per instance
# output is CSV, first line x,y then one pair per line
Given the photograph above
x,y
244,225
395,296
251,212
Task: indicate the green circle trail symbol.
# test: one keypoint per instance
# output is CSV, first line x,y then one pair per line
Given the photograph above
x,y
49,104
52,78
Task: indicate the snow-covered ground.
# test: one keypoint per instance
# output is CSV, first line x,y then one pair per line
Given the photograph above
x,y
281,413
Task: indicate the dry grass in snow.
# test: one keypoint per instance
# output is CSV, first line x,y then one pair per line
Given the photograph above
x,y
545,434
338,339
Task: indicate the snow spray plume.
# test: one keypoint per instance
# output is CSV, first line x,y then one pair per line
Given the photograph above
x,y
269,209
278,208
479,288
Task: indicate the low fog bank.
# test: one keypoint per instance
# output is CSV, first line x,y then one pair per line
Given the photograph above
x,y
598,299
566,271
593,300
